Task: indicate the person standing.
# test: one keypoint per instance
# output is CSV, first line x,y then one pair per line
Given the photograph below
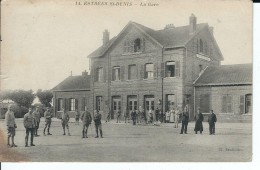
x,y
29,124
184,121
212,120
11,125
98,125
176,117
168,114
198,122
108,114
118,116
37,116
65,121
47,116
150,114
77,117
86,121
134,116
157,114
126,115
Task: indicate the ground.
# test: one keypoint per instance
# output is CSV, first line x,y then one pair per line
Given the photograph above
x,y
127,143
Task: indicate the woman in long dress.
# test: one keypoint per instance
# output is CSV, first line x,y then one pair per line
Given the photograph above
x,y
198,122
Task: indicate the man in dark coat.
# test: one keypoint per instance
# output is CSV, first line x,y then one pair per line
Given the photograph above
x,y
98,126
198,122
134,116
212,120
29,124
184,121
47,116
86,121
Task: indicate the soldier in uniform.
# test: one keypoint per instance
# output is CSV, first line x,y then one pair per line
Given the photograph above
x,y
65,121
134,116
212,120
47,116
29,124
98,125
37,116
118,116
77,117
198,122
11,125
86,121
184,121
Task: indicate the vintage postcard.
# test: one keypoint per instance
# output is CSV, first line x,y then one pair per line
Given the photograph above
x,y
126,81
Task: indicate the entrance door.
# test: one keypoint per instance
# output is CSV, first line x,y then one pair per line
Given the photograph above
x,y
132,103
116,105
149,105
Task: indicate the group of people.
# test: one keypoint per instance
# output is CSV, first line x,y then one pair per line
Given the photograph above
x,y
32,119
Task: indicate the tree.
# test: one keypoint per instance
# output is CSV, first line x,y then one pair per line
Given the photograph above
x,y
22,97
45,97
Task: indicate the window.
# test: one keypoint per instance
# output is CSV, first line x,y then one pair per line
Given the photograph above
x,y
132,72
226,104
116,73
128,46
98,103
170,69
72,104
204,103
100,74
201,46
149,69
60,104
137,45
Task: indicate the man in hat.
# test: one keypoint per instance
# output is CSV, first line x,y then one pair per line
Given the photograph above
x,y
65,121
29,124
37,116
212,120
98,125
11,125
86,121
47,116
198,122
184,121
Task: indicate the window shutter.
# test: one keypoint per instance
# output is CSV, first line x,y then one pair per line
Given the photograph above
x,y
141,72
162,70
143,44
95,75
122,72
242,104
104,74
177,69
113,74
76,104
155,70
224,102
56,105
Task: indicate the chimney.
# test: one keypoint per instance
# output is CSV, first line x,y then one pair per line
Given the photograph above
x,y
105,37
193,23
169,26
84,73
211,29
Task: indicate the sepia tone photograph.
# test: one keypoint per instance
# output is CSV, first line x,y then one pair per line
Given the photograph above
x,y
126,81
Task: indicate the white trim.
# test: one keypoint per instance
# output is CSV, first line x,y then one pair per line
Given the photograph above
x,y
203,57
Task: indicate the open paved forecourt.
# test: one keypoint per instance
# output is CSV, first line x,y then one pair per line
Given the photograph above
x,y
127,143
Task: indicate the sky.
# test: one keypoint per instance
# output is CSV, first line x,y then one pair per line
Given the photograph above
x,y
44,40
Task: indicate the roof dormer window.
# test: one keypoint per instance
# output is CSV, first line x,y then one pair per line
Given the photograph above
x,y
137,45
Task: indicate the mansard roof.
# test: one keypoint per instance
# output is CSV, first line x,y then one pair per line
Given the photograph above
x,y
238,74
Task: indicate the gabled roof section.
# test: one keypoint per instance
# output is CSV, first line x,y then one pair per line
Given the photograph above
x,y
74,83
238,74
167,38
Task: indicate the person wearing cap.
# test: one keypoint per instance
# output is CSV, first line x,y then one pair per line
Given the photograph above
x,y
11,125
118,115
47,116
65,121
212,119
37,116
86,121
98,125
29,124
198,122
